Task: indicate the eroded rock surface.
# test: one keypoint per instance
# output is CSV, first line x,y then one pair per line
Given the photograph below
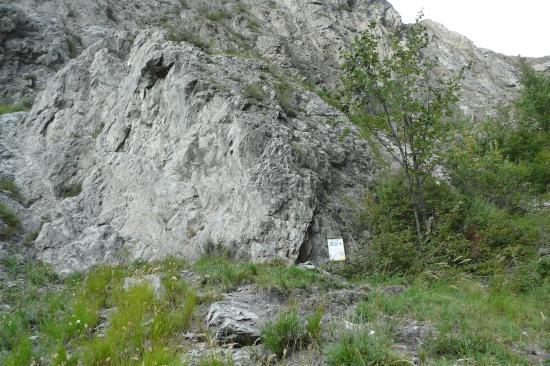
x,y
234,322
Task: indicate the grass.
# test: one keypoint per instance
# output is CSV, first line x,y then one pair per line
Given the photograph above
x,y
285,97
10,220
254,91
178,34
7,185
11,108
223,273
489,324
70,190
64,314
363,348
289,332
216,15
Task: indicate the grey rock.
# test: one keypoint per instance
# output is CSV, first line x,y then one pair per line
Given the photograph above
x,y
151,280
394,289
414,332
242,356
233,322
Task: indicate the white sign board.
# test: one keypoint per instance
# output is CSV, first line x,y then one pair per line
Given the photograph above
x,y
336,251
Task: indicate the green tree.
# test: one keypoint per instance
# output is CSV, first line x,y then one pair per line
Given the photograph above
x,y
394,92
534,101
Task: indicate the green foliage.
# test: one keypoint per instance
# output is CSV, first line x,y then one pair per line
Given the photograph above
x,y
397,98
223,273
178,33
215,15
70,190
7,185
285,97
11,108
476,321
285,334
289,333
254,91
534,102
10,221
72,48
314,328
361,348
22,352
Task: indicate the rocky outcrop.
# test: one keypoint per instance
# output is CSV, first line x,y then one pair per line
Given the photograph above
x,y
234,322
169,152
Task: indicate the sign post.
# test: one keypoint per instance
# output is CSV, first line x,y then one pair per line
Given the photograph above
x,y
336,251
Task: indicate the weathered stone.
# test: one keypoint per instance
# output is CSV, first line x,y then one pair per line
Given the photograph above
x,y
394,289
153,281
233,322
413,332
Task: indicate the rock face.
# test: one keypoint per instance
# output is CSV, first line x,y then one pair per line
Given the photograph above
x,y
170,153
234,322
199,128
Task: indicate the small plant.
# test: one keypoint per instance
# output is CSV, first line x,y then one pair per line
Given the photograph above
x,y
363,348
71,190
31,237
11,108
72,50
7,185
285,334
254,91
289,333
285,97
314,327
110,14
98,130
214,15
178,34
10,220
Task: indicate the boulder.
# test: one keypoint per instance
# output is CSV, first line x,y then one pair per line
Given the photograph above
x,y
233,322
152,280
